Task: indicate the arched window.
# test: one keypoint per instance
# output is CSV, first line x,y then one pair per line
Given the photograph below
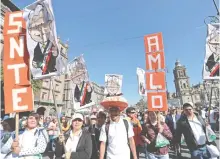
x,y
184,85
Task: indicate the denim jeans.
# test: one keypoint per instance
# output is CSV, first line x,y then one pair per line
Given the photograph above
x,y
200,153
153,156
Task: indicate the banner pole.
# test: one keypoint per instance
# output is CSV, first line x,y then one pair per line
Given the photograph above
x,y
210,101
16,125
55,103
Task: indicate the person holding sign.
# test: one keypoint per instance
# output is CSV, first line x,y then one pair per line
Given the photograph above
x,y
150,134
31,143
78,141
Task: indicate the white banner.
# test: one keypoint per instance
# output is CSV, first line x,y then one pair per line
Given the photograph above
x,y
81,88
141,82
113,84
42,42
211,64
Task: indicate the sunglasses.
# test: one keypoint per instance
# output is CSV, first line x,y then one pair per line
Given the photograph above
x,y
188,109
80,120
132,112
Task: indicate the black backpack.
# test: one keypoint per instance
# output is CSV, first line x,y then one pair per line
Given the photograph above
x,y
107,130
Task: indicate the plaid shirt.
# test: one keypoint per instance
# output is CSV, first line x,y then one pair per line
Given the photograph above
x,y
150,132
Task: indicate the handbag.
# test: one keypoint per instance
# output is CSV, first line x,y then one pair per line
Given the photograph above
x,y
213,150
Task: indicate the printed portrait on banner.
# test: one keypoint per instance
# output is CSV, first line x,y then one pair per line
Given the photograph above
x,y
212,56
42,42
81,87
141,82
113,84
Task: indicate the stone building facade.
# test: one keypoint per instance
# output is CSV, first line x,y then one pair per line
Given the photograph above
x,y
198,94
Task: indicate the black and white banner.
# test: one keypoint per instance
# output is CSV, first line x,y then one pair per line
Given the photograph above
x,y
141,82
113,84
211,64
42,42
81,87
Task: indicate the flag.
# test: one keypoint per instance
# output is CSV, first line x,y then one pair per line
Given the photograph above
x,y
212,55
113,84
42,42
141,82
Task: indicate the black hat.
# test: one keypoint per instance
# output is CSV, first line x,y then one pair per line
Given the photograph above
x,y
187,104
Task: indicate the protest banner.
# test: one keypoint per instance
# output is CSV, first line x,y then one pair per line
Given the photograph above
x,y
212,56
81,87
42,41
113,84
155,75
141,82
17,86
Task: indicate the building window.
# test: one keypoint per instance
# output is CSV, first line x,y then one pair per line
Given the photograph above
x,y
43,96
64,97
184,85
57,87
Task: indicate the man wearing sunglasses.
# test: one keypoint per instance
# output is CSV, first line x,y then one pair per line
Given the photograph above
x,y
193,128
131,114
117,137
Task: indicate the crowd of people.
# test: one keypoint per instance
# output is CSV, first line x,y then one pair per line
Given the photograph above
x,y
111,134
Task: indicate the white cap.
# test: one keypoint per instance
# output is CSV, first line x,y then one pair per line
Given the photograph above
x,y
77,116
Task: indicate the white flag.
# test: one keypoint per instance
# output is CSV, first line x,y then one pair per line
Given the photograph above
x,y
42,42
113,84
141,82
212,56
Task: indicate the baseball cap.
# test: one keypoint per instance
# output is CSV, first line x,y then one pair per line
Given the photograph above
x,y
187,104
77,116
172,108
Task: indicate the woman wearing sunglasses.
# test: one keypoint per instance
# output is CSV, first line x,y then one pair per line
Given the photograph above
x,y
77,141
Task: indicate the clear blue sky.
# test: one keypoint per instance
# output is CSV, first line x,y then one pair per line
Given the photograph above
x,y
105,30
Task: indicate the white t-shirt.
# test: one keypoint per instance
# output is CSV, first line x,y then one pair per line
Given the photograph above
x,y
211,117
174,121
198,131
203,114
72,142
117,147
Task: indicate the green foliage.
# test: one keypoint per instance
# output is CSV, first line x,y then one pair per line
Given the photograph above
x,y
36,85
2,74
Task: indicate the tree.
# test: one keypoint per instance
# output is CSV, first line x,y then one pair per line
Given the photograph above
x,y
36,84
141,104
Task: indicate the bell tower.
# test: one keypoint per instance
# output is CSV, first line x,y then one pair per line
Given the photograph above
x,y
182,85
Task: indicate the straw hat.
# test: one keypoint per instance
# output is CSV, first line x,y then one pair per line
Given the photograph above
x,y
115,101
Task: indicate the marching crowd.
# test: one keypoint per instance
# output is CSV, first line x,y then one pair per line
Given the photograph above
x,y
113,134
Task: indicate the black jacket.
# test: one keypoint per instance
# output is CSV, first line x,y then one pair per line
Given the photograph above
x,y
95,133
183,127
83,149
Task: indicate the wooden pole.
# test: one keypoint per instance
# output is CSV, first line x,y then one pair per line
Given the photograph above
x,y
210,102
16,125
59,124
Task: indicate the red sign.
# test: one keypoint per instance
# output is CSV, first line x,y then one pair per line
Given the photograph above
x,y
17,87
155,80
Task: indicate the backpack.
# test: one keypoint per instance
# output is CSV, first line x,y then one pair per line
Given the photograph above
x,y
107,130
